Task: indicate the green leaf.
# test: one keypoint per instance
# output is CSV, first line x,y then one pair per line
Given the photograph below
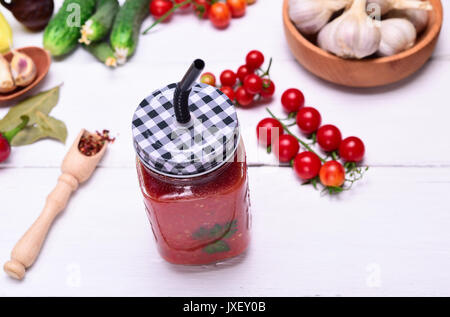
x,y
219,246
46,127
43,102
230,233
201,233
216,231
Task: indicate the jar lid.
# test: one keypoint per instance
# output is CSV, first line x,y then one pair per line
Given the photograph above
x,y
185,150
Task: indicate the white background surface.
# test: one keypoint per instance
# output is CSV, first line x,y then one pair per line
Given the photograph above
x,y
388,236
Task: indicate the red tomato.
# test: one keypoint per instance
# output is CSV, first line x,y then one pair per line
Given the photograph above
x,y
237,7
308,120
186,6
332,173
329,137
209,79
201,8
292,100
254,59
220,15
286,148
352,149
243,72
244,98
160,7
253,84
227,90
228,78
307,165
5,148
268,88
268,130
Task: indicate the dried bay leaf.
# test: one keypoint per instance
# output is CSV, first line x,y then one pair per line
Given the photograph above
x,y
43,102
46,127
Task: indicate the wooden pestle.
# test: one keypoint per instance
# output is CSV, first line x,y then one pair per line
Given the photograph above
x,y
76,169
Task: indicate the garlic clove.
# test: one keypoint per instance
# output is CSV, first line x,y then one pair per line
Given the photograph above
x,y
397,35
384,6
309,16
23,69
417,17
352,35
6,80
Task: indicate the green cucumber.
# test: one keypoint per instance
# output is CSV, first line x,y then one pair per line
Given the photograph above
x,y
125,33
103,52
99,25
62,33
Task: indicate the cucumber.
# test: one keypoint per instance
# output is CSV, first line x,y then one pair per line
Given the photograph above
x,y
99,25
125,33
103,52
62,33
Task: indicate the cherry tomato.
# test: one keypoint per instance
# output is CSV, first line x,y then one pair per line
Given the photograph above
x,y
332,173
329,137
307,165
243,72
5,148
209,79
186,6
237,7
352,149
268,88
308,120
201,8
292,100
160,7
254,59
268,130
220,15
253,84
243,97
228,78
286,147
227,90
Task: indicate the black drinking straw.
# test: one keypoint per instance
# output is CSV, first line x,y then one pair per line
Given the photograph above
x,y
181,95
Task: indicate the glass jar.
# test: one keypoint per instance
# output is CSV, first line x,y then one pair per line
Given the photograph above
x,y
202,219
193,175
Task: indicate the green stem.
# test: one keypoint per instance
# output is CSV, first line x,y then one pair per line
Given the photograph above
x,y
298,139
334,155
266,73
12,133
166,15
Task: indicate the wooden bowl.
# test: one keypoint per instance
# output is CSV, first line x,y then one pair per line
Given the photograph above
x,y
42,60
370,72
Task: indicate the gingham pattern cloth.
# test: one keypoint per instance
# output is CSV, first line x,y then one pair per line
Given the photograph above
x,y
168,148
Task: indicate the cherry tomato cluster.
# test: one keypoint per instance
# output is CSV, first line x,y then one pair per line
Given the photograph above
x,y
248,84
219,12
309,165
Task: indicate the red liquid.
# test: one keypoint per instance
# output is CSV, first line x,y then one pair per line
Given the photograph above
x,y
199,220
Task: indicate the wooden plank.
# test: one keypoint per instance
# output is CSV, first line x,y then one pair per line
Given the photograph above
x,y
388,236
405,124
187,37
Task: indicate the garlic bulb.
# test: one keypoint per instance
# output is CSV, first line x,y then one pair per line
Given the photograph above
x,y
6,79
352,35
23,69
397,35
387,5
309,16
417,17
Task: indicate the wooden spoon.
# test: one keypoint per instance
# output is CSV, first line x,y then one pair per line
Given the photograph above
x,y
76,169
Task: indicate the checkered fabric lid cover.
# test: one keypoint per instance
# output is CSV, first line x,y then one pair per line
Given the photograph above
x,y
169,148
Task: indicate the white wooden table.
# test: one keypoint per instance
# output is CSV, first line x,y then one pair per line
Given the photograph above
x,y
388,236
